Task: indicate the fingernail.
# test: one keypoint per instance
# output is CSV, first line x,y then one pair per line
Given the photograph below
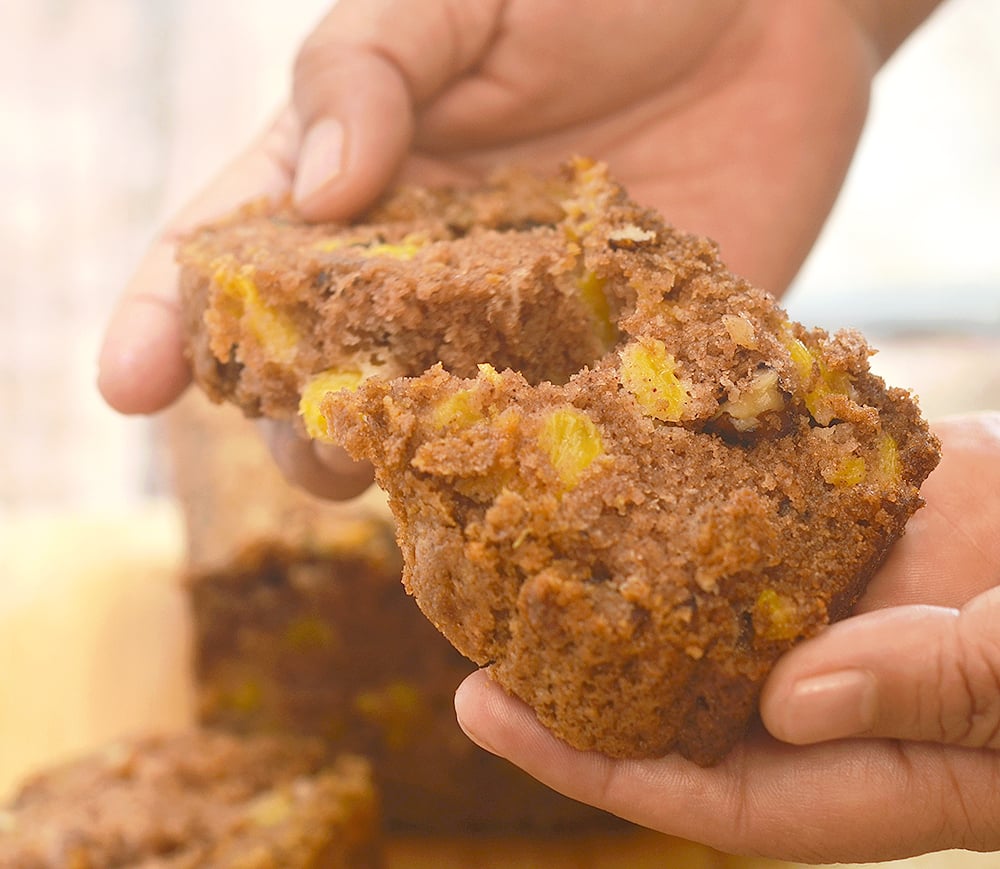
x,y
320,159
831,706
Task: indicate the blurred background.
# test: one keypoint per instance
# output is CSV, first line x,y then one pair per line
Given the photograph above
x,y
113,112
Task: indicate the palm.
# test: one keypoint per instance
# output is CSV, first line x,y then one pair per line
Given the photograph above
x,y
728,124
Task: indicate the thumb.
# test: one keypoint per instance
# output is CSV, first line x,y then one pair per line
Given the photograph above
x,y
914,672
359,81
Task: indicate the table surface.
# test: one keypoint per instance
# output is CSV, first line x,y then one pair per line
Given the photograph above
x,y
94,635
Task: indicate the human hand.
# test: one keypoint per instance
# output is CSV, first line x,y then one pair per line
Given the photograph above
x,y
735,119
896,710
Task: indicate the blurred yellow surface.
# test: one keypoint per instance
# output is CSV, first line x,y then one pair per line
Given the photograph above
x,y
94,640
93,635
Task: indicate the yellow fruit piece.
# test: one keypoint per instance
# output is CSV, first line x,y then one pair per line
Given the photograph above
x,y
273,328
850,472
309,633
464,408
396,710
329,245
270,809
890,469
311,402
762,395
572,442
776,617
592,294
649,373
802,358
829,383
459,410
245,697
406,249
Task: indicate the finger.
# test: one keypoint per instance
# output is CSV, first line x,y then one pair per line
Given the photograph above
x,y
951,551
358,81
917,673
141,368
324,470
766,798
671,795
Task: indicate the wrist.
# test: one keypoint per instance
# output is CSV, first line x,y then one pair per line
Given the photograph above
x,y
888,23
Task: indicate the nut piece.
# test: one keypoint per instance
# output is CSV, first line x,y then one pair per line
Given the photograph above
x,y
741,330
761,396
631,237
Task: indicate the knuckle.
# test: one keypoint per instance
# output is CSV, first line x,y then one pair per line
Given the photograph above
x,y
971,703
311,59
984,690
328,55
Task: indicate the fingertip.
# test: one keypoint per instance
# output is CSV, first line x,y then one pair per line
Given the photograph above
x,y
352,477
297,459
355,139
141,366
472,708
504,725
330,186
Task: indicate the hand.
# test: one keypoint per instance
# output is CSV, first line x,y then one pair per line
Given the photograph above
x,y
895,711
735,119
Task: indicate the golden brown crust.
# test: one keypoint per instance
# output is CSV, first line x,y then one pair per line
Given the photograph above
x,y
270,302
639,608
630,544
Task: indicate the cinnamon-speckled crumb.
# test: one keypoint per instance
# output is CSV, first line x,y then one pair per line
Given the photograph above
x,y
621,475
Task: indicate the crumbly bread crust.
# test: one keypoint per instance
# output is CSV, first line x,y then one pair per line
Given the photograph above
x,y
200,799
629,540
272,302
638,605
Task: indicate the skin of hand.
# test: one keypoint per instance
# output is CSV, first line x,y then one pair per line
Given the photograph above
x,y
882,734
736,119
